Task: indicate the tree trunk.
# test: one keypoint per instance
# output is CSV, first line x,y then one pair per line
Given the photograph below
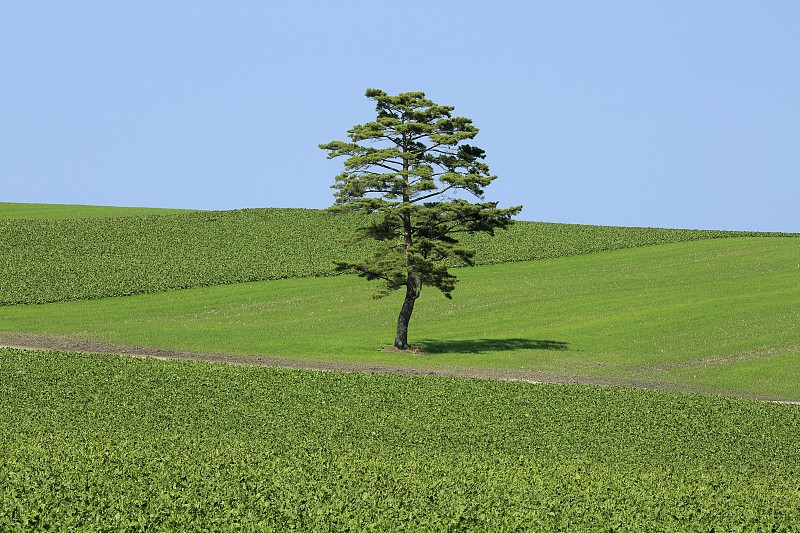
x,y
413,281
413,288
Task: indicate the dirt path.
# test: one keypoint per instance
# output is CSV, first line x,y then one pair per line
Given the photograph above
x,y
37,341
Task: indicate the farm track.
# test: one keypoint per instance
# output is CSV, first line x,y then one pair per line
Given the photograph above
x,y
43,342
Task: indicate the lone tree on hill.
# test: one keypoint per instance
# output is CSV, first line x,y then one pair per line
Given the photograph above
x,y
410,167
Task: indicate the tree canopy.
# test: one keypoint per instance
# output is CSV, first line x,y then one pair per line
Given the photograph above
x,y
412,168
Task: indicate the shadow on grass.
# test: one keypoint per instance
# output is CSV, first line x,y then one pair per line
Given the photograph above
x,y
490,345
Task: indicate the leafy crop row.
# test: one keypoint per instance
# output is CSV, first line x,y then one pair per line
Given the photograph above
x,y
56,260
111,443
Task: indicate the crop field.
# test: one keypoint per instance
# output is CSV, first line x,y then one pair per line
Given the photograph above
x,y
716,315
101,442
12,211
57,259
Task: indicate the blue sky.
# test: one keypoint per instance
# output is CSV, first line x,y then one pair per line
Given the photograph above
x,y
670,114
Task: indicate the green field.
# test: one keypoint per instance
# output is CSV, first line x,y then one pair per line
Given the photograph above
x,y
57,259
15,211
107,443
715,315
102,442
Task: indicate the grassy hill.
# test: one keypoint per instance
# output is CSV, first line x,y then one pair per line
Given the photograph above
x,y
101,442
715,315
58,258
16,211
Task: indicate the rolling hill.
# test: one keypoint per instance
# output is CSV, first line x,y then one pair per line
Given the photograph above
x,y
95,441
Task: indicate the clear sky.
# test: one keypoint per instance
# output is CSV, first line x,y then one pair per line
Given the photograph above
x,y
682,113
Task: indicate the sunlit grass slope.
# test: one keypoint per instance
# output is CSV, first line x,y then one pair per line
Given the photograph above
x,y
16,211
60,258
107,443
715,315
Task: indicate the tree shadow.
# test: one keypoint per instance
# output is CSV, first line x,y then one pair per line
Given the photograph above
x,y
490,345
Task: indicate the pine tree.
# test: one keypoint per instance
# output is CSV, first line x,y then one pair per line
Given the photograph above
x,y
412,168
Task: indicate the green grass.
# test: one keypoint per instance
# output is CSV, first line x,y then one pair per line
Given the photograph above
x,y
106,443
97,442
16,211
59,259
715,315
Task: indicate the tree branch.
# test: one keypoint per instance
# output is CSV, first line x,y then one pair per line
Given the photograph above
x,y
431,195
386,166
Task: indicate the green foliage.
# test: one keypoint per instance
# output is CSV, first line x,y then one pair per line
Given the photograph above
x,y
411,171
109,443
54,260
49,260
